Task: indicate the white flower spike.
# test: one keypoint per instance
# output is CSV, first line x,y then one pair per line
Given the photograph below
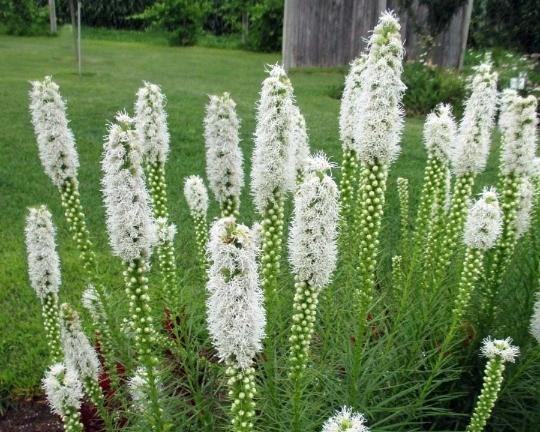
x,y
236,317
524,207
196,196
300,141
63,388
78,351
484,222
132,231
55,140
223,155
519,147
474,136
379,111
273,155
312,240
43,260
346,421
535,319
440,132
151,122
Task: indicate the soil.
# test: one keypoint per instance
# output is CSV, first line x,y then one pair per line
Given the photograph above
x,y
32,416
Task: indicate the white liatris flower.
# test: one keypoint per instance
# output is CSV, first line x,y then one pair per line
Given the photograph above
x,y
43,260
273,155
151,122
223,155
236,317
440,132
535,171
507,98
312,239
139,388
196,196
257,232
78,351
54,138
379,109
300,141
92,303
63,388
348,115
519,137
165,231
346,421
484,222
473,140
535,319
502,348
524,207
132,232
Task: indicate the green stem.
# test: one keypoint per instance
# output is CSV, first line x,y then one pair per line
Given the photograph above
x,y
242,390
51,323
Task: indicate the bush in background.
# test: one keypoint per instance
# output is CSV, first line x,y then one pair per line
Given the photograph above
x,y
180,19
23,18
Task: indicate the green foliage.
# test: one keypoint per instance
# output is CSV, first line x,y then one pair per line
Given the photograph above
x,y
180,19
110,13
506,23
23,18
266,26
427,86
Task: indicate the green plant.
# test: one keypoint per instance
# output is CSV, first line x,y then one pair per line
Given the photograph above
x,y
23,17
181,19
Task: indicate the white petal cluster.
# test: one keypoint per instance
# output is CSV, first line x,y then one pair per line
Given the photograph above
x,y
535,169
63,388
474,136
440,132
236,317
507,98
223,155
346,420
379,113
273,155
519,136
165,231
78,351
258,235
196,196
54,138
132,231
524,207
312,238
139,388
92,303
484,222
348,116
535,319
151,122
43,260
299,139
502,348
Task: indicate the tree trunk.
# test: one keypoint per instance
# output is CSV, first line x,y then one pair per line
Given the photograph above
x,y
52,15
465,33
245,27
74,29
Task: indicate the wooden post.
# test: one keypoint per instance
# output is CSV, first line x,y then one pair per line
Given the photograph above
x,y
79,36
465,33
52,15
245,27
74,29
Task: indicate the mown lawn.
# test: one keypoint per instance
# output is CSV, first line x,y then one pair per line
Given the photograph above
x,y
113,71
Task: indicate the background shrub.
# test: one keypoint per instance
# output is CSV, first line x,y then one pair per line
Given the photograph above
x,y
23,17
180,19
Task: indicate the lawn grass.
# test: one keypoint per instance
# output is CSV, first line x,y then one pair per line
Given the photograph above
x,y
113,71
